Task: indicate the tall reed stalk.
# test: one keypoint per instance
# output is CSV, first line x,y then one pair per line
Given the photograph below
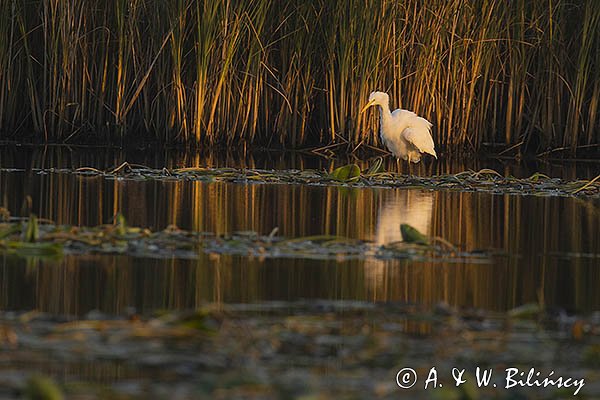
x,y
294,73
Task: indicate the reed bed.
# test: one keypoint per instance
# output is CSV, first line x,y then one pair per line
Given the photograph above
x,y
293,73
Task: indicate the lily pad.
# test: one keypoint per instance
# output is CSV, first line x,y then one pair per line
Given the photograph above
x,y
347,173
42,388
412,235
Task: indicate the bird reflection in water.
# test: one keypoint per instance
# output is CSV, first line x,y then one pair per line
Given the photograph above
x,y
397,207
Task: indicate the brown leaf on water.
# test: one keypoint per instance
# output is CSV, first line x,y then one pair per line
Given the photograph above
x,y
8,337
578,330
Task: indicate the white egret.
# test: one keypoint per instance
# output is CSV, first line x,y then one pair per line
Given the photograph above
x,y
403,132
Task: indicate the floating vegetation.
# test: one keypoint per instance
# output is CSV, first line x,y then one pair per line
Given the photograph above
x,y
42,388
485,180
412,235
54,240
347,173
22,238
274,350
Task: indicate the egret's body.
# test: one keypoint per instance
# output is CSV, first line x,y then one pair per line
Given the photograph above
x,y
403,132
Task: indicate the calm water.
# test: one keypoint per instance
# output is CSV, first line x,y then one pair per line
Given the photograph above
x,y
550,246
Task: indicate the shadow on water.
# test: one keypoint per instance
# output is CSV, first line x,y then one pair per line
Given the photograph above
x,y
547,246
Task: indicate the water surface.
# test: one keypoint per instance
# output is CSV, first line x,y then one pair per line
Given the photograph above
x,y
548,247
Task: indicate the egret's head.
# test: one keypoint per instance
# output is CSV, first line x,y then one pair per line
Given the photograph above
x,y
377,99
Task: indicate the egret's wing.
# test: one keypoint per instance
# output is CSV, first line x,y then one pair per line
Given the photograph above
x,y
419,135
405,114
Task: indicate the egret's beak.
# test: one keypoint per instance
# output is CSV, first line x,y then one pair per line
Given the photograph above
x,y
369,104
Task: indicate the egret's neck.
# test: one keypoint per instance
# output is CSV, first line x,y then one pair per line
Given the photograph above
x,y
385,113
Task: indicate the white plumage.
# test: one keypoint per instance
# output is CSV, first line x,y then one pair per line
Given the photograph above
x,y
403,132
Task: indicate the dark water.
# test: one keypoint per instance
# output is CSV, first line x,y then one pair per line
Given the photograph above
x,y
550,246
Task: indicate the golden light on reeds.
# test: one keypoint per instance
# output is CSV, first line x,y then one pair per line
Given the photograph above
x,y
295,73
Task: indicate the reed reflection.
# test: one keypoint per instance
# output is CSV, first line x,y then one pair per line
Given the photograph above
x,y
544,245
28,157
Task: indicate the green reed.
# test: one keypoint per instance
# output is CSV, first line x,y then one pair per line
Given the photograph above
x,y
294,73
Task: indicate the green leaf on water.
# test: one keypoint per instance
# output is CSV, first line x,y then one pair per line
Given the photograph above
x,y
469,388
35,249
42,388
197,321
32,234
529,310
347,173
412,235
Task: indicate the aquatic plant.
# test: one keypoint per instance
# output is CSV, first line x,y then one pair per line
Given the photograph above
x,y
119,238
521,75
485,180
